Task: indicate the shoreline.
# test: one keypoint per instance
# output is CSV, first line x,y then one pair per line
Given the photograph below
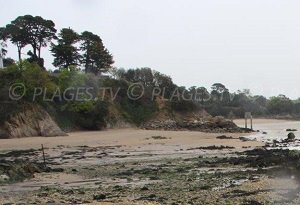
x,y
135,166
133,137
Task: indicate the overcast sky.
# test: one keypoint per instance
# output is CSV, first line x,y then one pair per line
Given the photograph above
x,y
251,44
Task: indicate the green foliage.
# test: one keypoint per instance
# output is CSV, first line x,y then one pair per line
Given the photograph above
x,y
280,105
33,77
219,88
8,109
181,101
8,62
118,88
89,114
30,30
183,106
9,75
16,35
65,52
96,58
87,50
138,111
135,111
38,32
70,77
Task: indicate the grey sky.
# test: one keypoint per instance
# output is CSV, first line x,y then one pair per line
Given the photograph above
x,y
242,44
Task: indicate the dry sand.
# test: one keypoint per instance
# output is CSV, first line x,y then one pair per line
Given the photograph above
x,y
134,137
130,137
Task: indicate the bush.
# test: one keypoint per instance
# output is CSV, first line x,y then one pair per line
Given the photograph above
x,y
29,74
88,114
138,111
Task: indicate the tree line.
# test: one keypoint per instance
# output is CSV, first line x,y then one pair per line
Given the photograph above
x,y
216,100
69,48
86,50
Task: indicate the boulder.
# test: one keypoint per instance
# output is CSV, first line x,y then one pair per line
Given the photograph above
x,y
291,136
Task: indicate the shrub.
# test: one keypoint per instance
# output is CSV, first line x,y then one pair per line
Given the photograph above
x,y
88,114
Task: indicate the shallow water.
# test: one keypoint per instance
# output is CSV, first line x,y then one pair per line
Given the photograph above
x,y
275,131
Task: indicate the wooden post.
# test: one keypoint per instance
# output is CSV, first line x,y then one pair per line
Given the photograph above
x,y
248,115
44,158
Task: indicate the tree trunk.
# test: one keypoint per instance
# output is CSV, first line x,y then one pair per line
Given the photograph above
x,y
19,54
39,50
86,65
67,64
87,59
34,50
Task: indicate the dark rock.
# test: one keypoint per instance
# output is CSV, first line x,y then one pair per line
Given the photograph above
x,y
213,147
291,130
224,137
245,139
151,196
252,202
18,170
56,169
213,124
158,137
68,192
154,178
291,136
99,197
144,188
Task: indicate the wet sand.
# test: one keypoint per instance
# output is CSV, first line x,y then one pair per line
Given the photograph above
x,y
134,166
260,121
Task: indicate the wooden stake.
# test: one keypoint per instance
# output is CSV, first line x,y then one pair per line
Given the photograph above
x,y
44,158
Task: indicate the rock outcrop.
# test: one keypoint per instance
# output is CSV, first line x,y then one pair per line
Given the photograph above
x,y
33,120
210,124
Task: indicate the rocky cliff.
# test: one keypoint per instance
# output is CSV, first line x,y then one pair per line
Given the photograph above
x,y
32,120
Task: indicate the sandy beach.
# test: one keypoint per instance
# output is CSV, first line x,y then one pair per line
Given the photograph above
x,y
129,137
136,137
134,166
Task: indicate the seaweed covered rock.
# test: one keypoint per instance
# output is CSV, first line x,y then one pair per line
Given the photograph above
x,y
291,136
18,170
211,124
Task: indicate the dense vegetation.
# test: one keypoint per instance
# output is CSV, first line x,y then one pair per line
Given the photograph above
x,y
71,49
81,60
